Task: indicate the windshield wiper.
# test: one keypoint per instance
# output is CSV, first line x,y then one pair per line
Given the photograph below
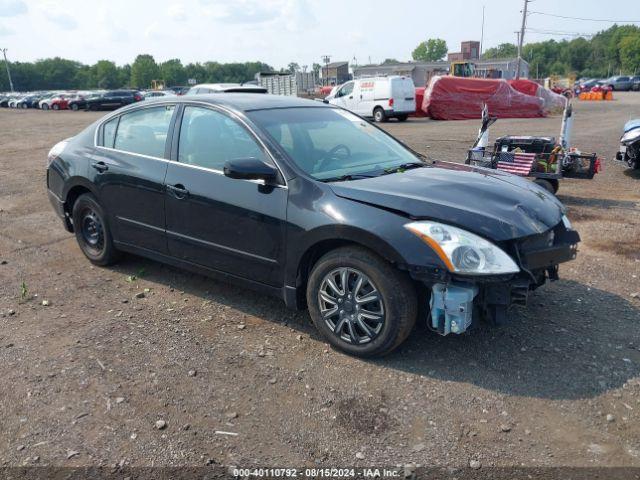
x,y
346,178
404,166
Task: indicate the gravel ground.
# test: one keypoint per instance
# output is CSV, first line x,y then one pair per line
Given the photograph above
x,y
142,364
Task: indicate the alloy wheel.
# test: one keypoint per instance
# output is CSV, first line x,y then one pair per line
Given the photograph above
x,y
351,305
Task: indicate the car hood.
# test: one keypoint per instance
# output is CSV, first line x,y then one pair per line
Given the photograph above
x,y
631,125
493,204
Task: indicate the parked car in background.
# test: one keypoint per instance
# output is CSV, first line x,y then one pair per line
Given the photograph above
x,y
309,203
157,94
46,101
61,102
635,83
30,101
381,98
179,90
114,99
629,151
205,88
13,101
619,83
4,101
79,102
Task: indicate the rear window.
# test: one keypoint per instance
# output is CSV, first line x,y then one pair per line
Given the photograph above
x,y
109,132
144,131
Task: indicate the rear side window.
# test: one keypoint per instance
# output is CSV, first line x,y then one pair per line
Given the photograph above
x,y
208,139
109,132
144,131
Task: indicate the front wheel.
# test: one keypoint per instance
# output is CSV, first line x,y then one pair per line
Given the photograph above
x,y
74,107
45,106
92,231
360,303
56,106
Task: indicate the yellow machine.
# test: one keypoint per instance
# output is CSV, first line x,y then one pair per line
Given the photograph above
x,y
157,84
462,69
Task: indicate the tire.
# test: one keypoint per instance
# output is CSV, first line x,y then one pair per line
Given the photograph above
x,y
55,106
379,116
403,118
92,231
45,106
546,184
24,105
397,302
74,107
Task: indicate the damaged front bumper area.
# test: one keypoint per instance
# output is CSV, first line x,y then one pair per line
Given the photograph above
x,y
457,302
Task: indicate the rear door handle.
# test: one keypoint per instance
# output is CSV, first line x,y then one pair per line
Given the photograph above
x,y
100,166
178,191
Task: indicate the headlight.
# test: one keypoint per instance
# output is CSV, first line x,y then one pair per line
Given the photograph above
x,y
462,251
567,223
631,135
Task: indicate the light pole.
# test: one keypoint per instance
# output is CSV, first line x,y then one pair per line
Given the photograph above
x,y
6,63
326,59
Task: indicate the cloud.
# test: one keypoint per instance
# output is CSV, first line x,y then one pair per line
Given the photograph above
x,y
177,12
241,11
107,28
5,31
63,20
11,8
154,32
297,15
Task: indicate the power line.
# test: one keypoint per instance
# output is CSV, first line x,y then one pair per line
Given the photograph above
x,y
584,19
556,32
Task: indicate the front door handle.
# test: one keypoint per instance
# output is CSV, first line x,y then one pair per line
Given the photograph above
x,y
178,191
100,166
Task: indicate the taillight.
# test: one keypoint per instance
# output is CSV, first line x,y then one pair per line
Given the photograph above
x,y
137,98
391,102
56,151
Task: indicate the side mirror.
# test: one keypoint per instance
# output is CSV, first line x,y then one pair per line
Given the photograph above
x,y
326,100
250,169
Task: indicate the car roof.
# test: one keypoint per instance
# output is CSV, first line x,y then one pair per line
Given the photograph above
x,y
245,102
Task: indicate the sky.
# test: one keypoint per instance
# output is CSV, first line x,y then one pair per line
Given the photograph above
x,y
278,31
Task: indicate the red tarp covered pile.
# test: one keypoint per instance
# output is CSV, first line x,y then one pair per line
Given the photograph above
x,y
458,98
553,103
419,100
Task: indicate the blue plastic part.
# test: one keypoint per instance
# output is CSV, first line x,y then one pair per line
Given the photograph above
x,y
452,307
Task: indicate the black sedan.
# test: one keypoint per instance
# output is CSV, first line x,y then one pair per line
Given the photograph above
x,y
314,205
30,101
113,100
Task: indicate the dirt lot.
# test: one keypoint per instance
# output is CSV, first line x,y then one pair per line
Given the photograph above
x,y
86,377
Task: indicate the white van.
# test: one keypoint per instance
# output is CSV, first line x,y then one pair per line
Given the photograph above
x,y
379,97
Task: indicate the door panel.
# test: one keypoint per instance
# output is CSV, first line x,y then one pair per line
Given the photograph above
x,y
130,177
234,226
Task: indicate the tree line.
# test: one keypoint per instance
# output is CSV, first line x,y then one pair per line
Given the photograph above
x,y
62,74
609,52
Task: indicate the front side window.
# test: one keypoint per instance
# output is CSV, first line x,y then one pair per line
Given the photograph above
x,y
209,139
144,131
327,143
346,90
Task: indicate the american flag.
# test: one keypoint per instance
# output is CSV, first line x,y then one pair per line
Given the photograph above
x,y
516,163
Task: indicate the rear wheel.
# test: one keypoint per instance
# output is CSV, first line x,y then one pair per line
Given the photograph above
x,y
45,106
378,115
55,106
402,118
92,231
74,107
360,303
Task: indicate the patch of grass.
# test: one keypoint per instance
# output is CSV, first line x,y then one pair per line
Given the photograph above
x,y
139,274
24,290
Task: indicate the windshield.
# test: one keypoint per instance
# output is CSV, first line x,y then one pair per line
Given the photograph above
x,y
329,143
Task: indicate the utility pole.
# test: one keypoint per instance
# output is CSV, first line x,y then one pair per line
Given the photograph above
x,y
521,37
6,63
481,35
